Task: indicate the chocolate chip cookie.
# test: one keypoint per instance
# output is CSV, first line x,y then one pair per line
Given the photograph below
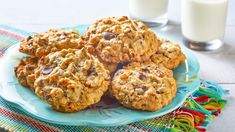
x,y
120,39
70,80
53,40
111,67
145,86
25,71
169,54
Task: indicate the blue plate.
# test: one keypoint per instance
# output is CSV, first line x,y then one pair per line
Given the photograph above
x,y
105,113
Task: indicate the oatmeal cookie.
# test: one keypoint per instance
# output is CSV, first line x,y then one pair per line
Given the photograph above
x,y
145,86
120,39
70,80
111,67
169,54
25,71
50,41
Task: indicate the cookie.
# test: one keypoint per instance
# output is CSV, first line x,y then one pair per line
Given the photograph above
x,y
70,80
111,67
145,86
25,71
120,39
53,40
169,54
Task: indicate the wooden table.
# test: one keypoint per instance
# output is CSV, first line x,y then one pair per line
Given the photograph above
x,y
41,15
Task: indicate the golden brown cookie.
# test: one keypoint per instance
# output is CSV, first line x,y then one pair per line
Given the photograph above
x,y
145,86
120,39
70,80
25,71
53,40
111,67
169,54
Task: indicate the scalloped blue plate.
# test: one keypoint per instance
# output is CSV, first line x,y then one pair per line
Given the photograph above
x,y
106,113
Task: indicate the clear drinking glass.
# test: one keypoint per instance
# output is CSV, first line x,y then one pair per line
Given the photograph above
x,y
151,12
203,23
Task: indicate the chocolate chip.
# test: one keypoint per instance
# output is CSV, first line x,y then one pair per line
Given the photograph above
x,y
30,43
93,31
47,97
136,86
144,88
41,83
108,35
28,38
79,65
91,70
31,68
47,70
62,37
142,76
159,92
73,90
145,69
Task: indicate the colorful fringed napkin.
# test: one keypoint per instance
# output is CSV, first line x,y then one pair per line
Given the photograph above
x,y
194,115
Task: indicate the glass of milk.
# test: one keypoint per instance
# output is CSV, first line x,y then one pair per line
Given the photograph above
x,y
203,23
151,12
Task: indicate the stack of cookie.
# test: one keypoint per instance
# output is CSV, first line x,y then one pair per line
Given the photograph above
x,y
116,55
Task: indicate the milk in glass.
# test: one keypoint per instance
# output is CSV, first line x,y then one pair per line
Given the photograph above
x,y
152,12
203,20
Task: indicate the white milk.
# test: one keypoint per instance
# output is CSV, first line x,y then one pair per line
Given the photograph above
x,y
147,9
204,20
